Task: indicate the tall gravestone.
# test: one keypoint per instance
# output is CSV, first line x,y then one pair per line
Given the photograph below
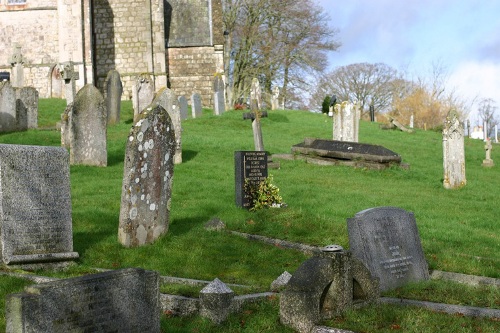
x,y
69,75
142,94
453,152
8,117
147,179
35,204
196,108
387,242
255,106
114,90
88,128
65,126
16,60
346,122
125,300
167,99
219,103
275,97
183,106
251,167
27,107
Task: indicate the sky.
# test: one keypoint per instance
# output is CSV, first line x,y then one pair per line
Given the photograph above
x,y
463,37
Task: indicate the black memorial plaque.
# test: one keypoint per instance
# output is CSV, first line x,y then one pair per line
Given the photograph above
x,y
250,166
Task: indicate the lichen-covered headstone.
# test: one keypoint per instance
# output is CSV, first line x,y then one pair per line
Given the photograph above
x,y
196,105
27,107
147,179
142,94
183,105
88,128
167,99
219,104
65,126
8,121
114,91
453,152
346,122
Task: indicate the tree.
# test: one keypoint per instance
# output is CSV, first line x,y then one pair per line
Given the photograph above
x,y
487,112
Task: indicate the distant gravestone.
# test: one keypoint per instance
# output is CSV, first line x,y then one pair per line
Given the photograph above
x,y
27,108
142,94
167,99
219,103
65,126
147,179
125,300
275,105
251,167
35,204
387,242
88,128
196,105
488,162
453,152
69,75
114,90
16,60
346,122
183,106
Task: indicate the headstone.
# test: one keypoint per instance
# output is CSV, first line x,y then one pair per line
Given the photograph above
x,y
346,122
27,108
488,162
281,281
453,152
114,90
88,128
69,75
386,240
65,126
16,60
167,99
219,103
250,167
142,94
124,300
8,117
183,106
411,121
196,108
215,301
255,95
147,179
275,98
35,204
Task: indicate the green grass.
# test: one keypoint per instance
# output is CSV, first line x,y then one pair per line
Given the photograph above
x,y
459,228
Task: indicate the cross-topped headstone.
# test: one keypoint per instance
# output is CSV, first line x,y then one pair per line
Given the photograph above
x,y
16,60
69,75
255,115
488,162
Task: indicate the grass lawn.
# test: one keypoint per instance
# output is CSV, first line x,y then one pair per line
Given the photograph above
x,y
460,229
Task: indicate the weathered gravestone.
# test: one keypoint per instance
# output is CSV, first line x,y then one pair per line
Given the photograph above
x,y
250,168
35,206
114,90
275,105
27,107
142,94
88,128
122,301
147,179
453,152
488,162
16,60
8,119
183,105
346,122
219,103
167,99
69,75
65,126
386,240
216,300
196,109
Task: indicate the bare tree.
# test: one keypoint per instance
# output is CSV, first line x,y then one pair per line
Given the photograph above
x,y
487,112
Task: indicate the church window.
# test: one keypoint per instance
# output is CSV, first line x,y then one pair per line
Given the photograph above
x,y
16,2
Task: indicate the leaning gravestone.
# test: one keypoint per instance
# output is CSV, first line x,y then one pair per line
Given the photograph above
x,y
219,106
35,206
142,94
147,179
114,90
88,128
250,167
196,105
125,300
167,99
27,107
453,152
8,119
387,242
183,105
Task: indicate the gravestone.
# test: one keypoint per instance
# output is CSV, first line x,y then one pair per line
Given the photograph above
x,y
69,75
346,122
88,128
251,167
219,103
16,60
8,117
27,108
196,110
147,179
215,301
114,90
125,300
167,99
35,204
183,106
453,152
142,94
65,126
488,162
387,242
275,105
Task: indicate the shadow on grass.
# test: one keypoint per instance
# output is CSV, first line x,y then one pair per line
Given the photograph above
x,y
116,157
84,240
188,155
279,118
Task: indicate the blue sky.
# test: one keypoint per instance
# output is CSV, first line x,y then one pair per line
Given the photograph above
x,y
413,35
